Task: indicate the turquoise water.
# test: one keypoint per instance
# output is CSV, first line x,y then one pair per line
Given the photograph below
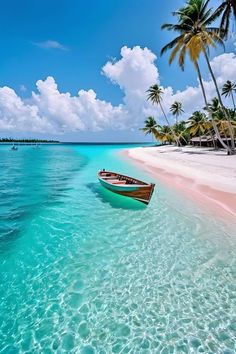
x,y
86,271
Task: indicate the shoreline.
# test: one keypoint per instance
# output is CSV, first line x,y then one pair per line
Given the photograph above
x,y
205,176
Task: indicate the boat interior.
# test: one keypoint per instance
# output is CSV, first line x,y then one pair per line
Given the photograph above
x,y
115,178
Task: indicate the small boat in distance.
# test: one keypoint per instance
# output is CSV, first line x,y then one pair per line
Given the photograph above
x,y
14,147
126,186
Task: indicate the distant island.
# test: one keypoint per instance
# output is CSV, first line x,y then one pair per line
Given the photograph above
x,y
28,141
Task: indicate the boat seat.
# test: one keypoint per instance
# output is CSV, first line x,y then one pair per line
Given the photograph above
x,y
116,181
105,174
111,177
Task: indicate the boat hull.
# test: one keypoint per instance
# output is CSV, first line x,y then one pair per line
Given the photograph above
x,y
142,193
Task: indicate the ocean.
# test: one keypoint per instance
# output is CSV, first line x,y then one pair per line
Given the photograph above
x,y
83,270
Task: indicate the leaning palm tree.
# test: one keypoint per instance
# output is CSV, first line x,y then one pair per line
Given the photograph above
x,y
195,36
226,10
177,110
208,37
150,126
228,90
155,93
219,117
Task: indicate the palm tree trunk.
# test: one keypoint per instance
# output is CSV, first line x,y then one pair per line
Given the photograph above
x,y
232,95
213,140
201,82
225,135
206,103
213,78
231,132
168,123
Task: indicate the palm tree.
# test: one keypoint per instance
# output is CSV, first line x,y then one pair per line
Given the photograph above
x,y
195,37
219,117
164,134
232,115
150,126
196,124
176,109
228,90
226,10
181,132
214,107
195,7
155,93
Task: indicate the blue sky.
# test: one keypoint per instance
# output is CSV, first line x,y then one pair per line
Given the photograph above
x,y
92,33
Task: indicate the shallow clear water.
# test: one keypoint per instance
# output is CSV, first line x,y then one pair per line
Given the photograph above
x,y
86,271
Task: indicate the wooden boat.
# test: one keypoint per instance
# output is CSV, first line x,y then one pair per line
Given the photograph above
x,y
126,186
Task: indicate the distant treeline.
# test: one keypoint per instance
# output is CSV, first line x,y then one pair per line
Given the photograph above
x,y
25,141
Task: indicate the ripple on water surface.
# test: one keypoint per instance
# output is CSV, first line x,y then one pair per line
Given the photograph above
x,y
84,275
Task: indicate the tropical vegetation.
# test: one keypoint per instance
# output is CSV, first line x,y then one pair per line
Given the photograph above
x,y
199,28
150,126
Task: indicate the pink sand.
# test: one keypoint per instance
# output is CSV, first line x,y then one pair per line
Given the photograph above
x,y
209,178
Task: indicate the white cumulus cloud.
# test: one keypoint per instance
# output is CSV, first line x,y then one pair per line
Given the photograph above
x,y
82,112
135,72
15,114
49,110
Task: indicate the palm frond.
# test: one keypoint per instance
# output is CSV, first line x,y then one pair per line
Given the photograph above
x,y
175,50
203,9
233,4
171,44
168,26
182,57
217,38
225,20
216,14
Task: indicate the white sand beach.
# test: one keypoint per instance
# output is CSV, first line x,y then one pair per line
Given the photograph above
x,y
207,176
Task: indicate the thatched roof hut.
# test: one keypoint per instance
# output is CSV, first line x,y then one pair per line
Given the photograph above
x,y
207,140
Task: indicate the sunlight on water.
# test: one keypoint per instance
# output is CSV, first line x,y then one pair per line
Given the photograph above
x,y
86,271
